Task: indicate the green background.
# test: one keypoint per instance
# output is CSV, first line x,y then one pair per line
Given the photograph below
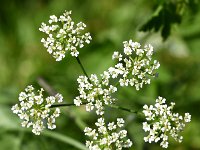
x,y
24,61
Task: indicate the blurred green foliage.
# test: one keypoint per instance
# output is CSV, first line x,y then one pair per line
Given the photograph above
x,y
168,13
23,60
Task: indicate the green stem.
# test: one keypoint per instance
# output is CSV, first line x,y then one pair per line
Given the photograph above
x,y
82,68
112,106
63,105
123,108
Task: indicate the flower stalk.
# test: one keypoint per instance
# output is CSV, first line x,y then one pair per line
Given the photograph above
x,y
82,68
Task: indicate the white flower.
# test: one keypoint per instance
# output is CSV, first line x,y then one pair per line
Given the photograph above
x,y
107,136
77,101
64,35
111,126
53,18
120,122
35,111
161,122
135,67
95,93
146,126
127,50
187,117
116,55
59,98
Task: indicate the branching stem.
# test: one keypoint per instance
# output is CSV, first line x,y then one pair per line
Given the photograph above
x,y
112,106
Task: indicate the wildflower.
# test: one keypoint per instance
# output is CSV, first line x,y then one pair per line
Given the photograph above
x,y
135,66
95,93
64,35
35,111
162,122
109,137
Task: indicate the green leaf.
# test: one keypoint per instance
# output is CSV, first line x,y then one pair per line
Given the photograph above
x,y
164,16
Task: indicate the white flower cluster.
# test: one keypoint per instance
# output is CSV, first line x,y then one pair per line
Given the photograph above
x,y
64,35
34,110
94,93
134,69
107,137
135,66
163,122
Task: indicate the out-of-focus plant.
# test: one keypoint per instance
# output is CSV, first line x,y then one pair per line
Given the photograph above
x,y
168,13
